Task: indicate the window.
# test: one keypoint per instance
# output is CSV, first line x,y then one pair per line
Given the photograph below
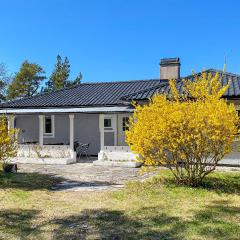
x,y
125,123
107,123
49,126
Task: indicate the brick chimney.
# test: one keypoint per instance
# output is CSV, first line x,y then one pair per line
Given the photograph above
x,y
170,68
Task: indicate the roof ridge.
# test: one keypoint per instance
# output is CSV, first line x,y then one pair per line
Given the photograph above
x,y
123,81
212,70
161,84
222,72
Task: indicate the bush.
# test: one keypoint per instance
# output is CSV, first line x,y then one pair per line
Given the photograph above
x,y
8,141
188,133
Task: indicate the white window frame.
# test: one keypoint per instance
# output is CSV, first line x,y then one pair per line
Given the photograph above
x,y
112,128
52,134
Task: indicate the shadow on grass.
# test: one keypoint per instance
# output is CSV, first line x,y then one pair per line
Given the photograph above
x,y
223,182
218,221
27,181
17,223
220,182
107,224
215,222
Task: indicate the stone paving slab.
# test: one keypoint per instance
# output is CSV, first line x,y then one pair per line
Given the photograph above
x,y
86,176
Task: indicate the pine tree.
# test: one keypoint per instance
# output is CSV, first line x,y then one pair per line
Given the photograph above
x,y
60,75
27,81
76,81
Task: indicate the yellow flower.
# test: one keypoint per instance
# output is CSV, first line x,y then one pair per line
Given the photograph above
x,y
202,126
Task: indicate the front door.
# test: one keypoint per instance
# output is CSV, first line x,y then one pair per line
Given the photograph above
x,y
123,120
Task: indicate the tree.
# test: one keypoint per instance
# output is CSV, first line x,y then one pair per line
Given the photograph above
x,y
8,140
60,75
190,133
76,81
27,81
4,81
79,78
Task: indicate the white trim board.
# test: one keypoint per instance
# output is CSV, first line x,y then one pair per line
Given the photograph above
x,y
68,110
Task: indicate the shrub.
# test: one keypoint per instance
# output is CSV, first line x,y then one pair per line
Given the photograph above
x,y
189,132
8,140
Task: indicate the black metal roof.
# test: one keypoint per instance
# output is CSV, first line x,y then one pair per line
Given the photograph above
x,y
232,92
112,93
85,94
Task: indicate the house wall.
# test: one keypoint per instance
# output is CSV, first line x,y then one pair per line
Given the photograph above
x,y
86,130
28,128
62,130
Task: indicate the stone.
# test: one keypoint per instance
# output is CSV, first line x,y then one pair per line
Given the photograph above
x,y
10,167
86,176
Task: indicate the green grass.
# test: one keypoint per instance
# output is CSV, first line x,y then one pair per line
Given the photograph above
x,y
153,209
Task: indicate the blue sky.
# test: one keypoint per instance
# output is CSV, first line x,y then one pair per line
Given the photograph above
x,y
111,40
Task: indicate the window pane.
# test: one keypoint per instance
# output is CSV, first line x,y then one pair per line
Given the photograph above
x,y
107,123
125,122
48,124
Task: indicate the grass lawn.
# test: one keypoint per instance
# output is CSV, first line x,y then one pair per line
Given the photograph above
x,y
155,209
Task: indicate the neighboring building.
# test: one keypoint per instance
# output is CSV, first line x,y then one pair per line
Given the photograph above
x,y
95,113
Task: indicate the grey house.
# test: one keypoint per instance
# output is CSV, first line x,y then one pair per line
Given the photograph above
x,y
94,113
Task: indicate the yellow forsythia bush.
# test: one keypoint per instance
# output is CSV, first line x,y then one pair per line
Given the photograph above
x,y
188,133
8,140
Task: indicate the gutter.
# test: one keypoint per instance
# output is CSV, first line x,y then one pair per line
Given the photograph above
x,y
68,110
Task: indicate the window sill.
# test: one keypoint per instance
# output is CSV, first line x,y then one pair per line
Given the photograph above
x,y
48,135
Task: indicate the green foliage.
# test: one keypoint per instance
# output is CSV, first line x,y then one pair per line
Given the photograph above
x,y
27,81
4,80
76,81
60,75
